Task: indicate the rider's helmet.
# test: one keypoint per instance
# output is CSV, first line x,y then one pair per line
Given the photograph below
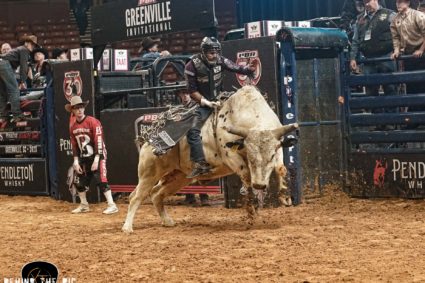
x,y
210,44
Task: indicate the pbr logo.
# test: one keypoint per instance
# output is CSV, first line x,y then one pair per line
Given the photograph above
x,y
72,84
245,58
146,2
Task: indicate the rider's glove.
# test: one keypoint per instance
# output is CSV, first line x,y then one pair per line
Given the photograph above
x,y
210,104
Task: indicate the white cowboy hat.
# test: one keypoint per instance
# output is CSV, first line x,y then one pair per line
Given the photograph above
x,y
75,100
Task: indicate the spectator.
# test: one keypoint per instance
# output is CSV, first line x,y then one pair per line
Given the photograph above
x,y
150,49
372,38
408,32
60,54
5,47
9,89
38,56
185,99
350,10
36,72
89,156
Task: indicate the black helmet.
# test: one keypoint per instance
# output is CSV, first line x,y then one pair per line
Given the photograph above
x,y
210,43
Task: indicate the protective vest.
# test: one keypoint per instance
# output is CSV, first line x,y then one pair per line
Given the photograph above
x,y
380,42
210,78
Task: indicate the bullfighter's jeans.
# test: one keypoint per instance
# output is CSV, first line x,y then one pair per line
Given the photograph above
x,y
9,91
194,134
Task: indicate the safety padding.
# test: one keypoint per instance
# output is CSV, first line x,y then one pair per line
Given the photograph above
x,y
313,37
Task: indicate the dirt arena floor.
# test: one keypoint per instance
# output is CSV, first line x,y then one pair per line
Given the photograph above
x,y
328,239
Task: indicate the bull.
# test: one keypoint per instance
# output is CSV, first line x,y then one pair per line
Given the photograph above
x,y
242,137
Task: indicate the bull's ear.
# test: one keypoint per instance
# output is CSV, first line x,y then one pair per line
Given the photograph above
x,y
236,131
281,131
235,145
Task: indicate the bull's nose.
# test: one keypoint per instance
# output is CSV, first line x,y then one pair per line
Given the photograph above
x,y
259,186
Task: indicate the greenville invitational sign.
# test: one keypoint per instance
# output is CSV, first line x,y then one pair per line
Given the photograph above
x,y
148,18
132,19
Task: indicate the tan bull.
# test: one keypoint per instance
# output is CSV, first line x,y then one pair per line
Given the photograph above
x,y
245,115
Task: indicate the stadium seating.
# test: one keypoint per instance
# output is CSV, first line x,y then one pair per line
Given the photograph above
x,y
51,33
64,33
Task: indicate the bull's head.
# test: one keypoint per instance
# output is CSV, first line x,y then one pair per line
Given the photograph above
x,y
261,147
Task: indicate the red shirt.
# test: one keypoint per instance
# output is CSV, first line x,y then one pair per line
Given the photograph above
x,y
87,138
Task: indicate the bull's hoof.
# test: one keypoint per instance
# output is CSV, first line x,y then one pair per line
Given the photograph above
x,y
252,213
286,201
127,229
168,222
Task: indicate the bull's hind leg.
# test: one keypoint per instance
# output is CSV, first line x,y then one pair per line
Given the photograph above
x,y
168,185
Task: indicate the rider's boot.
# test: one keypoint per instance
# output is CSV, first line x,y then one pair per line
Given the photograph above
x,y
200,168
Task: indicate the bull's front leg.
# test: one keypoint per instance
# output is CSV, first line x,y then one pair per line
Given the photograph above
x,y
237,164
250,206
284,192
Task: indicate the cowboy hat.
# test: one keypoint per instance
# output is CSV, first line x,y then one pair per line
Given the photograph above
x,y
41,50
149,42
30,38
56,52
75,100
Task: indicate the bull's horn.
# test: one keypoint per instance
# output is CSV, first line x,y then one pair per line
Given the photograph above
x,y
281,131
237,131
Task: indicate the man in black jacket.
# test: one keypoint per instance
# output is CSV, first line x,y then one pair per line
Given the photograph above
x,y
9,88
350,10
372,38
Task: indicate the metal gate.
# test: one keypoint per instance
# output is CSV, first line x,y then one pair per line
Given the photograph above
x,y
310,82
385,135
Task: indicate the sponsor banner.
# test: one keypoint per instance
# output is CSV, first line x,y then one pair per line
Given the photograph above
x,y
81,54
70,79
72,84
253,30
262,52
245,58
23,176
6,137
121,60
262,28
134,19
106,61
384,175
20,149
121,127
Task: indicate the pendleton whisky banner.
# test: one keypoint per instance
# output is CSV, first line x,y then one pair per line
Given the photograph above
x,y
132,19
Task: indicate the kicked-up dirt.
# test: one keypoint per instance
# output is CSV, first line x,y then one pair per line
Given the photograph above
x,y
329,239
